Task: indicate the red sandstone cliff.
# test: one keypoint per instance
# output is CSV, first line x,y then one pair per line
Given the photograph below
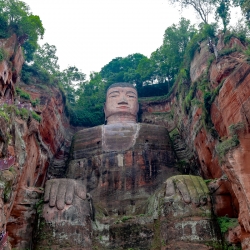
x,y
218,151
221,149
34,146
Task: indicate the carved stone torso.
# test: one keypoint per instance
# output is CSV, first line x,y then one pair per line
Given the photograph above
x,y
122,164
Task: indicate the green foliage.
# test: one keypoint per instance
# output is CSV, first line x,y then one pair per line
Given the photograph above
x,y
247,53
44,68
222,11
209,63
4,115
26,96
16,18
125,218
189,97
3,54
241,34
228,51
84,104
36,116
209,97
45,58
206,30
226,223
24,113
245,7
223,147
203,8
236,128
35,102
34,71
39,206
168,58
23,94
155,75
123,70
3,27
208,181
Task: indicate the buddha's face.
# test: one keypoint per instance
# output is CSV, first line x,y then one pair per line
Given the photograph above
x,y
121,100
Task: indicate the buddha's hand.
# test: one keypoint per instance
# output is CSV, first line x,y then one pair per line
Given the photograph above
x,y
61,192
188,188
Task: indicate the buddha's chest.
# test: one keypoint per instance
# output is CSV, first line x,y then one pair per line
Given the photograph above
x,y
122,158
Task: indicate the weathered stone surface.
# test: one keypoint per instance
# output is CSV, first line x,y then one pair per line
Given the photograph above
x,y
121,189
230,107
14,60
120,177
34,146
69,228
199,65
224,200
186,213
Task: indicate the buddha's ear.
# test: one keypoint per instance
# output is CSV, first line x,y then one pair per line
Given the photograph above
x,y
137,108
104,108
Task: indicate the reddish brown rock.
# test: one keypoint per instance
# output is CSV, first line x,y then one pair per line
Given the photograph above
x,y
123,164
231,107
37,146
34,145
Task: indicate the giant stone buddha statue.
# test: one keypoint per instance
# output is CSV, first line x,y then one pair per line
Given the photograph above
x,y
124,169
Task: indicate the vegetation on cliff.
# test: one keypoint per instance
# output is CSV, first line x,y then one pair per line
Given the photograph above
x,y
15,17
167,67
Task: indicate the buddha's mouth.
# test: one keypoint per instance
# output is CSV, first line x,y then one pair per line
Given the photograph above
x,y
123,107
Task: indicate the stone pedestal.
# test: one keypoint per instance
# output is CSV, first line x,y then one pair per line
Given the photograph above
x,y
69,228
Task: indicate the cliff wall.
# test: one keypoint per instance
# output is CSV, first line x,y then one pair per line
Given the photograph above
x,y
207,117
209,123
32,138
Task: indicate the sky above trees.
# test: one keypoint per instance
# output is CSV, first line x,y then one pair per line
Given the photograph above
x,y
90,33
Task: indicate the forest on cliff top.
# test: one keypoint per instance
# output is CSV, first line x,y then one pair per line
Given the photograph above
x,y
157,75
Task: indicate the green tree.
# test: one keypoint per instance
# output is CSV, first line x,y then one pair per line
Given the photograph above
x,y
222,11
89,99
202,7
45,57
245,7
122,69
44,67
72,79
166,60
16,17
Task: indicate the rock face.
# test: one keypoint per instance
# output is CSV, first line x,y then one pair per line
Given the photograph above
x,y
220,151
13,60
210,136
123,164
124,167
33,146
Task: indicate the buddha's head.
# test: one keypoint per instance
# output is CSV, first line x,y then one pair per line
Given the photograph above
x,y
121,103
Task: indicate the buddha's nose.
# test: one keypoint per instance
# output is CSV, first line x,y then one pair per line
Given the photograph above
x,y
123,99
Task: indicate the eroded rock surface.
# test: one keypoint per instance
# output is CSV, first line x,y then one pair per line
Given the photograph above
x,y
222,150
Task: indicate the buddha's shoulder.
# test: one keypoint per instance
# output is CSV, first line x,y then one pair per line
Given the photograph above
x,y
88,136
152,135
147,129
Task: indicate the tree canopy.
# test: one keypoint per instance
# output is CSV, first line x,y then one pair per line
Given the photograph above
x,y
152,76
15,17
